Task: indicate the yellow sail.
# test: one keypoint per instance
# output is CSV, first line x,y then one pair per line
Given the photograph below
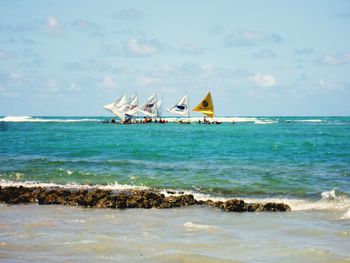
x,y
206,106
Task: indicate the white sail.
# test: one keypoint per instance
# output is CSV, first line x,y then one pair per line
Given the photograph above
x,y
181,108
149,108
132,106
159,108
118,107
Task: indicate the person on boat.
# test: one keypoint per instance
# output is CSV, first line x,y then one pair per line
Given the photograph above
x,y
113,120
127,121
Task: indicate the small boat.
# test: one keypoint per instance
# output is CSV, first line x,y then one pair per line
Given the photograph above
x,y
206,107
182,109
149,108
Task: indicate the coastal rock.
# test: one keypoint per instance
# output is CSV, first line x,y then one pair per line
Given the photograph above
x,y
124,199
234,205
275,207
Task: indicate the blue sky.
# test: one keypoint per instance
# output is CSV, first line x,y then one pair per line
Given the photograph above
x,y
256,57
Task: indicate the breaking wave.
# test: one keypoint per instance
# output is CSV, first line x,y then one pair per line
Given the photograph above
x,y
311,121
38,119
116,186
329,201
346,215
265,122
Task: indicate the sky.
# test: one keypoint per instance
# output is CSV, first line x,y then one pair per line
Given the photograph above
x,y
258,58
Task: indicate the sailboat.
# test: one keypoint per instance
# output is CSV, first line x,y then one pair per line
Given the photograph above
x,y
149,108
118,107
206,107
181,108
132,110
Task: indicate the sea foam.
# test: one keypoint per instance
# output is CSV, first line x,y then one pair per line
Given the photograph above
x,y
116,186
37,119
189,226
329,200
346,215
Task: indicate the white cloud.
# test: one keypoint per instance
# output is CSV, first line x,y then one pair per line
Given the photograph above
x,y
16,76
264,54
2,54
140,48
52,84
207,69
251,38
336,60
130,15
52,24
192,49
108,82
216,29
146,81
264,80
74,87
332,85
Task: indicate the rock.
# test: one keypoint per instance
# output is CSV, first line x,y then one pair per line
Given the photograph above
x,y
276,207
124,199
255,207
234,205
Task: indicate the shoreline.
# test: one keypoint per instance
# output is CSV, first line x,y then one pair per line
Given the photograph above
x,y
123,199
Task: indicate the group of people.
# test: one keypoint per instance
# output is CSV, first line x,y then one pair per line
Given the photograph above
x,y
206,121
146,120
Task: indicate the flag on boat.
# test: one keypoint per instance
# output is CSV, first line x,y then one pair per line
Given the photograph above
x,y
149,108
206,106
181,108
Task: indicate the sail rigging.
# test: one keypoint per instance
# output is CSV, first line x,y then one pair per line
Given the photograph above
x,y
206,106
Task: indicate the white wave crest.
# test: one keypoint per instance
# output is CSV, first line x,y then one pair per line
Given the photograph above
x,y
35,119
329,201
346,215
116,186
329,195
198,227
311,121
265,122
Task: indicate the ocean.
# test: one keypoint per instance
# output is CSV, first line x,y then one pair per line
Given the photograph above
x,y
301,161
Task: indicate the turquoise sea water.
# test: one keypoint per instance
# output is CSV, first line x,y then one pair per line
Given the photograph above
x,y
289,156
301,161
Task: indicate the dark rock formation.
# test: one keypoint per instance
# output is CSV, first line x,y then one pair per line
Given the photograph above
x,y
123,199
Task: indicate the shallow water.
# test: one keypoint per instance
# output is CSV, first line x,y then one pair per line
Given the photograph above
x,y
198,234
